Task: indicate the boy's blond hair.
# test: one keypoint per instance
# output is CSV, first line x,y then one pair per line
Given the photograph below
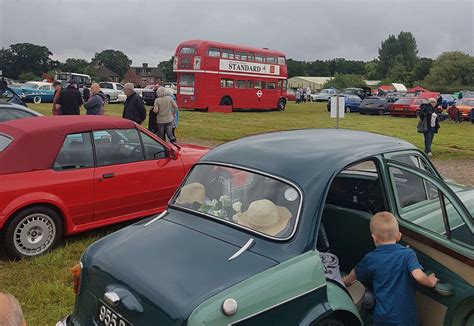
x,y
384,227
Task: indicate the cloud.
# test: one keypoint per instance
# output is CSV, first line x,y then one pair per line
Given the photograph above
x,y
149,31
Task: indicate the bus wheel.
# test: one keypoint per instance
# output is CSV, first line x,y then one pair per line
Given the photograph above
x,y
226,101
281,104
37,99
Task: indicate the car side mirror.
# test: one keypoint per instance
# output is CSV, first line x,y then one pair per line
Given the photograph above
x,y
173,154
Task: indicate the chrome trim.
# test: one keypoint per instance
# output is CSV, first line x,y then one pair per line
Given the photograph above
x,y
243,249
156,218
278,304
112,298
298,213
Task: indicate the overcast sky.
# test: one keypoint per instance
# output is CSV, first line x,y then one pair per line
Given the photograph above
x,y
149,30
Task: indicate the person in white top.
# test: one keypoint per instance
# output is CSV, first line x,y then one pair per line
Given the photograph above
x,y
308,94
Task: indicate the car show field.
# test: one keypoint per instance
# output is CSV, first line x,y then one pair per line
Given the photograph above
x,y
43,284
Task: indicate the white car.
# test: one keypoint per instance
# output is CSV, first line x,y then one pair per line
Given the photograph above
x,y
324,95
113,92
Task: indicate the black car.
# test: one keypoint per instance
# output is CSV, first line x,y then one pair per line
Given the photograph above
x,y
362,92
374,105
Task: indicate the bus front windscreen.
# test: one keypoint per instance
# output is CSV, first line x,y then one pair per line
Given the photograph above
x,y
186,80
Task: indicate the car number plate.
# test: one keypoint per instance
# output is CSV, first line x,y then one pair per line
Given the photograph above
x,y
105,316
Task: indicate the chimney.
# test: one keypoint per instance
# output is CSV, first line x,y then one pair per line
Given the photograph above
x,y
145,65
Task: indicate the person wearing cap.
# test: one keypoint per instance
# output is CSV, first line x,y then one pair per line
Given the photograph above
x,y
70,100
57,91
428,112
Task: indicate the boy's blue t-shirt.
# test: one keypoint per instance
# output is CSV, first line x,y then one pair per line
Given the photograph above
x,y
389,268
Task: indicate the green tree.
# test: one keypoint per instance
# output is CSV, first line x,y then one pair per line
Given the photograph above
x,y
296,68
28,76
422,68
345,80
74,65
115,60
451,71
371,70
23,58
167,68
398,73
401,49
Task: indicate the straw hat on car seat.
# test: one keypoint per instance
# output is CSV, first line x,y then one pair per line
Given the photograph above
x,y
266,217
192,193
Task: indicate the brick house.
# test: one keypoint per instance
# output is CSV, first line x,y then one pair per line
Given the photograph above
x,y
144,75
105,74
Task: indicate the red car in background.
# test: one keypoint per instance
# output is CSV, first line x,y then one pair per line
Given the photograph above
x,y
464,106
410,106
67,174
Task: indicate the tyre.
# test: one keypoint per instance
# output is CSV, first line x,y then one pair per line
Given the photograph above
x,y
32,232
107,99
281,104
226,101
348,109
37,99
381,112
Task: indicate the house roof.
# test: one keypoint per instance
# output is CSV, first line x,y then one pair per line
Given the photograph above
x,y
372,82
316,80
102,71
148,71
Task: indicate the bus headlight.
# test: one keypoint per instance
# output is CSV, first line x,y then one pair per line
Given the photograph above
x,y
197,62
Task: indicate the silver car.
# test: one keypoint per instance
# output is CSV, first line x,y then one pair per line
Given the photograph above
x,y
324,95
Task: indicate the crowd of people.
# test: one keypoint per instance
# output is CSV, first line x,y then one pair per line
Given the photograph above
x,y
303,95
163,117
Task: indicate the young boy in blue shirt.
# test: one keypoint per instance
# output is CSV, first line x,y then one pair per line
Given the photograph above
x,y
391,268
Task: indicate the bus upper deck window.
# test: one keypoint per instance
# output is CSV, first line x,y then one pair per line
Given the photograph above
x,y
187,50
214,52
241,55
271,60
227,54
281,60
250,57
259,58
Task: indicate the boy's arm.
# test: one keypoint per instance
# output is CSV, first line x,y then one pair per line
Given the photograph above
x,y
423,279
350,278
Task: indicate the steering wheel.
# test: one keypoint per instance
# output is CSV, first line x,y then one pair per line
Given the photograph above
x,y
371,203
136,152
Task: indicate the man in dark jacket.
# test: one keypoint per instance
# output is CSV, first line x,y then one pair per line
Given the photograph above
x,y
95,104
134,108
70,100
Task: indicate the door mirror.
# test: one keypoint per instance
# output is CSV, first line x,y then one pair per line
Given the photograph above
x,y
173,154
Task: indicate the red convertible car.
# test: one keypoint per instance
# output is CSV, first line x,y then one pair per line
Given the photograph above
x,y
67,174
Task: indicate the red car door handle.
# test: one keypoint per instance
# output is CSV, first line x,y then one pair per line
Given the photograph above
x,y
108,175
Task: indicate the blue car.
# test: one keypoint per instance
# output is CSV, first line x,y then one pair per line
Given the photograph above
x,y
36,92
448,100
351,103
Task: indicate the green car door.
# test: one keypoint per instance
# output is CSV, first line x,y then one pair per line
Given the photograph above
x,y
436,224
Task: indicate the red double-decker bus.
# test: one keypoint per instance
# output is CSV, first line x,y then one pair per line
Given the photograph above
x,y
212,74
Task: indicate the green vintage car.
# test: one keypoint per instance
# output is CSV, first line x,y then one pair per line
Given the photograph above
x,y
262,229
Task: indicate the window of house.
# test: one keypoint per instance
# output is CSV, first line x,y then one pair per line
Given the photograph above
x,y
76,153
214,52
117,146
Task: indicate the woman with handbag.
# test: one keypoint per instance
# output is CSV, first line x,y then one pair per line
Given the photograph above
x,y
428,124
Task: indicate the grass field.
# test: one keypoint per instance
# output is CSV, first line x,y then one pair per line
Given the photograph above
x,y
43,285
